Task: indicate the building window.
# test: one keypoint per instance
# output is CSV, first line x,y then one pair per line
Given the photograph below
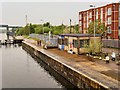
x,y
66,41
87,19
97,14
84,43
60,41
101,14
80,16
119,32
75,43
80,28
109,11
84,18
109,31
90,21
90,15
119,21
87,16
80,23
109,20
84,25
119,10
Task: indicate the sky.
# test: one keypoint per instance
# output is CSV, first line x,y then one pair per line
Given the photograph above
x,y
13,12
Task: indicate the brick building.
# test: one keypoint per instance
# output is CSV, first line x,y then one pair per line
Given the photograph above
x,y
108,14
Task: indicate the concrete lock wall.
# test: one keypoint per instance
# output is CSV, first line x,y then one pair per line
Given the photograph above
x,y
70,74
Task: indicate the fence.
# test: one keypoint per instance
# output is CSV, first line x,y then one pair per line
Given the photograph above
x,y
52,41
111,43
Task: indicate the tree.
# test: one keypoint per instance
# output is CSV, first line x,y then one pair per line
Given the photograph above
x,y
99,27
93,48
76,27
32,28
47,24
46,29
39,29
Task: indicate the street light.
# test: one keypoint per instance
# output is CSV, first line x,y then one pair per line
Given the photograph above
x,y
70,25
114,22
43,23
94,23
75,27
62,27
94,18
43,29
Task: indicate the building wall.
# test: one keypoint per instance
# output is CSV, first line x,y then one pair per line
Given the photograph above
x,y
119,22
82,50
70,44
108,15
97,47
66,47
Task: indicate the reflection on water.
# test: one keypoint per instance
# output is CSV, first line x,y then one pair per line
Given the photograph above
x,y
20,70
3,36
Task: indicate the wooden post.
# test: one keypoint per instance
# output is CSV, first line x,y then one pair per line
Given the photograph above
x,y
7,33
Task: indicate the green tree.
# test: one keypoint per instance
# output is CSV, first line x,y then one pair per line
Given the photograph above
x,y
32,28
39,29
99,27
76,28
47,24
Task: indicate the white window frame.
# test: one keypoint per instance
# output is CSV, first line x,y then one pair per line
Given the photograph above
x,y
90,21
80,16
109,31
119,15
84,18
109,11
90,16
84,25
101,16
87,19
97,14
80,23
109,20
80,28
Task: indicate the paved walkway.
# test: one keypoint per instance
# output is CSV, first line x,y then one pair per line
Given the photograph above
x,y
98,70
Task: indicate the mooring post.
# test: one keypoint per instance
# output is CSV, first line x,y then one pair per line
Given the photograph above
x,y
7,33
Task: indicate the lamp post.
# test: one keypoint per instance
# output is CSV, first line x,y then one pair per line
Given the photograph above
x,y
114,22
43,29
43,26
70,25
75,27
94,23
94,18
62,27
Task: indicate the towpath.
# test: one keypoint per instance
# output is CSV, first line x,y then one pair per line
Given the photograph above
x,y
105,74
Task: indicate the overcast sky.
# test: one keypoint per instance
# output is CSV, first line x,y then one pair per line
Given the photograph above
x,y
13,13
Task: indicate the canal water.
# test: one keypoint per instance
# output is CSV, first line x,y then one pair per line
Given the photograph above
x,y
21,70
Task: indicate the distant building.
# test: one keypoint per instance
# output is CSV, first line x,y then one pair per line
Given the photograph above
x,y
78,43
108,14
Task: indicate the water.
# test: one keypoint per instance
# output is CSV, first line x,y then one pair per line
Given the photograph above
x,y
20,70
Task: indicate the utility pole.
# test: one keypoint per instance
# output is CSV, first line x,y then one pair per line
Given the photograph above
x,y
94,25
114,22
70,25
62,27
75,28
26,19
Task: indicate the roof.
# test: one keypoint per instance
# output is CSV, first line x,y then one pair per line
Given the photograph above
x,y
105,5
81,35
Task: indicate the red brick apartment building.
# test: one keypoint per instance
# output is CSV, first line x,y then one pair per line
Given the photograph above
x,y
108,14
